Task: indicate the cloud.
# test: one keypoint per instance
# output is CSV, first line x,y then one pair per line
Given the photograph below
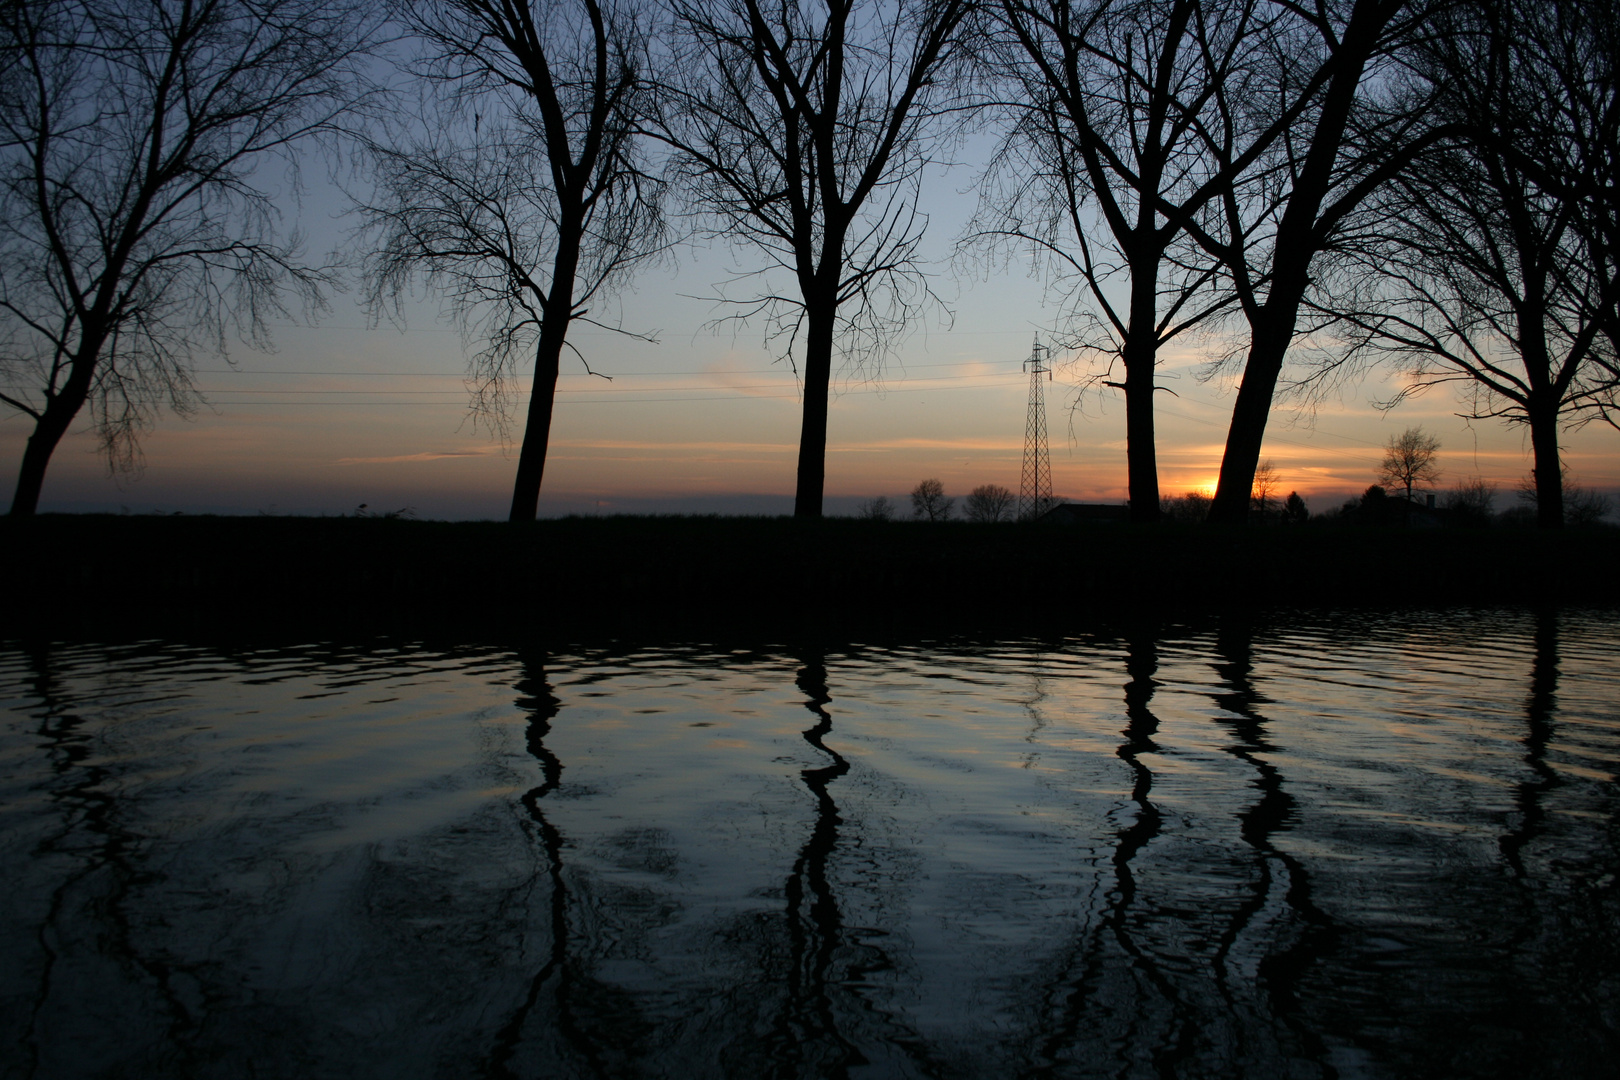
x,y
425,455
924,444
676,446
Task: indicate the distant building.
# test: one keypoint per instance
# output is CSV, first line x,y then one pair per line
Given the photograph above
x,y
1087,514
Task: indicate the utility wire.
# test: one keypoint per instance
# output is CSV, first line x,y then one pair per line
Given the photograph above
x,y
566,374
518,399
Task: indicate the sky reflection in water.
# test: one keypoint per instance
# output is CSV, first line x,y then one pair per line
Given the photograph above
x,y
1309,846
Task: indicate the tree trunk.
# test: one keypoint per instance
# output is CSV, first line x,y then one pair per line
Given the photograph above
x,y
1549,473
537,427
1295,244
556,313
1253,408
1141,355
820,313
48,431
41,444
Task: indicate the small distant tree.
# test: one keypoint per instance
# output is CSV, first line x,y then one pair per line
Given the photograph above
x,y
1409,461
928,500
1583,506
1295,511
1266,482
1470,502
878,509
990,503
1375,507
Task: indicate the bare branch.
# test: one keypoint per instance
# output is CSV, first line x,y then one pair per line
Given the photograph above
x,y
132,233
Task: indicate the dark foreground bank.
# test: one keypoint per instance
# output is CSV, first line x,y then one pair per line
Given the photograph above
x,y
766,568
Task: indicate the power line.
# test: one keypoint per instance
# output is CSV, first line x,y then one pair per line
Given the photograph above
x,y
580,374
392,329
616,391
518,399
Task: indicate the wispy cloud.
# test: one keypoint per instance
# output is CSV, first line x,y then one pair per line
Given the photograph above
x,y
425,455
885,445
865,447
631,444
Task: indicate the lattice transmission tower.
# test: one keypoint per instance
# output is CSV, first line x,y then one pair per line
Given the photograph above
x,y
1035,494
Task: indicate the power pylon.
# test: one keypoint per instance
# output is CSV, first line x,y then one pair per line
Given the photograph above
x,y
1035,494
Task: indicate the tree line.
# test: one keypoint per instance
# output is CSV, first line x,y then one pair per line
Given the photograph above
x,y
1326,185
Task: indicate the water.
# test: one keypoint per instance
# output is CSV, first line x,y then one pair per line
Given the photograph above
x,y
1340,845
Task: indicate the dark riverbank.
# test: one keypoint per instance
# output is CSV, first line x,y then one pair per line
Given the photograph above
x,y
605,570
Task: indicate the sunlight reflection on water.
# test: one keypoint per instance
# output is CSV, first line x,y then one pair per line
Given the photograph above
x,y
1352,844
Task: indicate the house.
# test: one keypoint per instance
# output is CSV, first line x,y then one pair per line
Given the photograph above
x,y
1087,514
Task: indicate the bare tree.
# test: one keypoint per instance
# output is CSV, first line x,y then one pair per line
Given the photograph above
x,y
990,503
1496,264
1471,501
526,203
803,130
134,138
1266,483
878,509
1364,122
1409,461
928,500
1107,158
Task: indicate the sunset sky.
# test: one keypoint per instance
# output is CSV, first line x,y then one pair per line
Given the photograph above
x,y
703,421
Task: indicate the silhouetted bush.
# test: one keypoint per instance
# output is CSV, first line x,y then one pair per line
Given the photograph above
x,y
1189,509
1376,507
1470,503
1583,507
878,509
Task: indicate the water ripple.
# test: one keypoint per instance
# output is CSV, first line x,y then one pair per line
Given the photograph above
x,y
1340,844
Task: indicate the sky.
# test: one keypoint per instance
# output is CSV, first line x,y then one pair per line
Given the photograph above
x,y
349,413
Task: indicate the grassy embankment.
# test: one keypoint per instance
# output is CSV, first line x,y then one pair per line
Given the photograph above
x,y
597,571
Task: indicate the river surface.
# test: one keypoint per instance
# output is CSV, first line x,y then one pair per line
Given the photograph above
x,y
1317,845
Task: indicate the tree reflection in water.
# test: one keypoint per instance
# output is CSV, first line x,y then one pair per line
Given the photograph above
x,y
552,989
1353,845
1303,932
1111,1017
1539,705
821,985
805,1040
87,956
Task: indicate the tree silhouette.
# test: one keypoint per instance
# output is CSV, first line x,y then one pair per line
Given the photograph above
x,y
1510,237
802,132
928,500
1364,125
1266,483
1294,509
533,212
876,509
1471,501
135,140
1409,461
1104,164
990,503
